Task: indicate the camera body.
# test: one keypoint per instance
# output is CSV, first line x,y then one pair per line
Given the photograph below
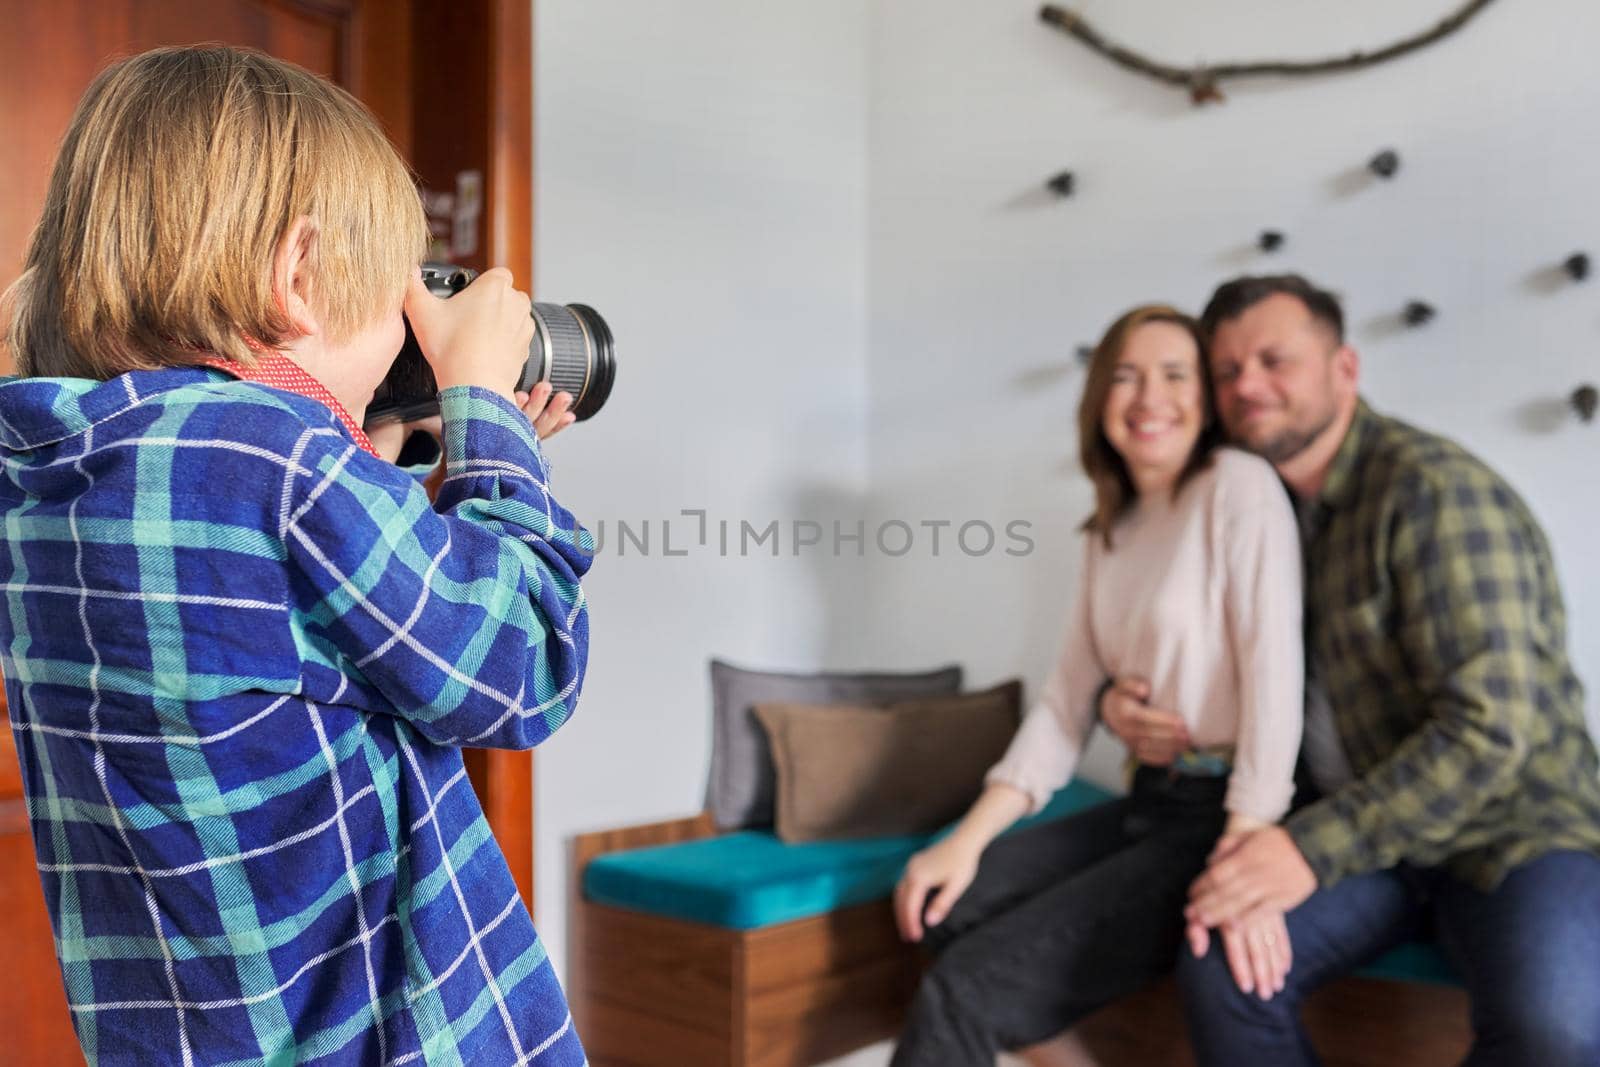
x,y
572,348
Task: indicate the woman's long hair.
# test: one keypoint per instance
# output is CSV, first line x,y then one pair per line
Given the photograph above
x,y
1114,491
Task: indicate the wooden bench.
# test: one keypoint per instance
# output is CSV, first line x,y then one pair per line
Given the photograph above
x,y
654,991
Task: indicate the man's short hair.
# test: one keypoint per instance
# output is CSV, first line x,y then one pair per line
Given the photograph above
x,y
180,172
1234,298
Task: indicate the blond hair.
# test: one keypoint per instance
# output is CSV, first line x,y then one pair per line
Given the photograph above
x,y
1114,491
181,171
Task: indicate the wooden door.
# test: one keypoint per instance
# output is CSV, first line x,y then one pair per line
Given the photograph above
x,y
452,85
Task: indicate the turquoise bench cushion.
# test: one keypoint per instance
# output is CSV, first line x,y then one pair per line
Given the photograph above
x,y
750,879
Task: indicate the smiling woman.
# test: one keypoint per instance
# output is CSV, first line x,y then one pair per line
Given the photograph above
x,y
1150,358
1157,405
1190,588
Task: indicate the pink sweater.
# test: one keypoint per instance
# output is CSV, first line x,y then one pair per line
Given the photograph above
x,y
1201,597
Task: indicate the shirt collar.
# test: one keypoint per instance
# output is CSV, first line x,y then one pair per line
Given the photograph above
x,y
280,372
1344,473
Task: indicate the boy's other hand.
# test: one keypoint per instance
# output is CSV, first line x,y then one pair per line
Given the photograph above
x,y
549,414
388,438
478,337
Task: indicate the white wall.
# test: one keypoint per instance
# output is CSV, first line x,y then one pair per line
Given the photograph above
x,y
700,173
819,234
980,285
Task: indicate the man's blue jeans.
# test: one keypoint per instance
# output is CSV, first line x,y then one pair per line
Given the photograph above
x,y
1529,953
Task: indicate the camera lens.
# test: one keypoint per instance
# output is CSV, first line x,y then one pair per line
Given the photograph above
x,y
572,348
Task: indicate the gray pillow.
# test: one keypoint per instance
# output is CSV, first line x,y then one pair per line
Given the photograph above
x,y
743,782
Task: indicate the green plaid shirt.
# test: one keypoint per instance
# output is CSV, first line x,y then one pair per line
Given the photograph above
x,y
1434,618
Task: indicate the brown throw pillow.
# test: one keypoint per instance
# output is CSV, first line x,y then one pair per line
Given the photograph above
x,y
741,784
851,771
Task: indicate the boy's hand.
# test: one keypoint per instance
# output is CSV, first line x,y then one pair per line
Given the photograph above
x,y
478,337
388,438
549,414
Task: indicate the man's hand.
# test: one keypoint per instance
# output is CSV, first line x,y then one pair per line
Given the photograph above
x,y
1153,735
1262,870
948,866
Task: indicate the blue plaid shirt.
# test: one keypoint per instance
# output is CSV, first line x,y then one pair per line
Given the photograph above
x,y
240,656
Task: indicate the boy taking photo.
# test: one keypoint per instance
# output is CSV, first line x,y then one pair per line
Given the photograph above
x,y
241,649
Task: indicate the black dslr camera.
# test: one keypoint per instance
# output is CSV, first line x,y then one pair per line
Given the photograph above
x,y
572,349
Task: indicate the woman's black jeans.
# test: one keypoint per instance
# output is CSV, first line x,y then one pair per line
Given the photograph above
x,y
1062,919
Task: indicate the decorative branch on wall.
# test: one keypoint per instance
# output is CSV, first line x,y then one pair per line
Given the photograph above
x,y
1204,81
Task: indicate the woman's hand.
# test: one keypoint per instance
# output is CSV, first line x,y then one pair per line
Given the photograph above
x,y
1153,735
949,867
1258,951
478,337
1257,942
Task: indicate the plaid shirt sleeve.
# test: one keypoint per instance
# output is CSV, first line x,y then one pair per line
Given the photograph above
x,y
1463,588
466,616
